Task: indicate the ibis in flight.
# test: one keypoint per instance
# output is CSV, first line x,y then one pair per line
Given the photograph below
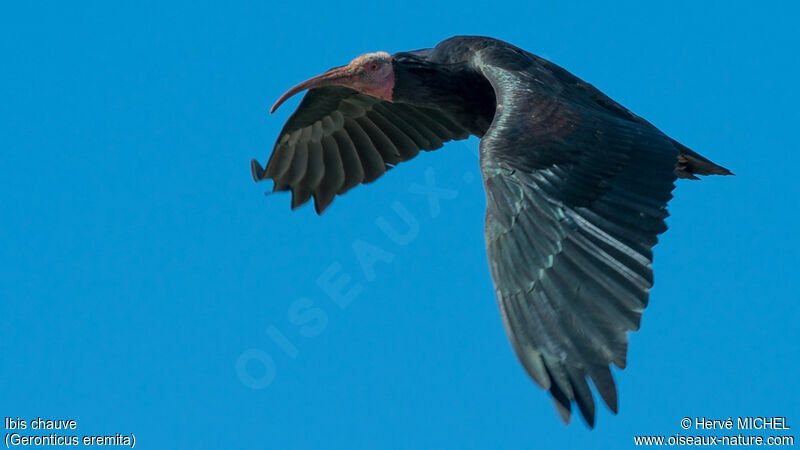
x,y
576,186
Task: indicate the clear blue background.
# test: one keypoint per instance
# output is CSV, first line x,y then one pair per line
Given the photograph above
x,y
138,260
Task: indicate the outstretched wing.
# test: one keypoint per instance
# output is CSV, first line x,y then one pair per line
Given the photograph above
x,y
576,198
338,138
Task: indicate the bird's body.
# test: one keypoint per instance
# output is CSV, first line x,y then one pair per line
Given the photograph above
x,y
576,185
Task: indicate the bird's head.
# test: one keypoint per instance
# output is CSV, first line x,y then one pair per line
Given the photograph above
x,y
370,73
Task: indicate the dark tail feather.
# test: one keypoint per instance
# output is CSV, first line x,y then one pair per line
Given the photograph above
x,y
691,163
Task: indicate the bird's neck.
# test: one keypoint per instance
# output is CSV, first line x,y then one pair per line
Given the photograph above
x,y
453,88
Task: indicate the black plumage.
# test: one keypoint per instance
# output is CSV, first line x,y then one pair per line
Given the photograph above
x,y
577,188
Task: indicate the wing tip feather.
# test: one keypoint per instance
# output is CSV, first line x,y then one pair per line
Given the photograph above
x,y
256,171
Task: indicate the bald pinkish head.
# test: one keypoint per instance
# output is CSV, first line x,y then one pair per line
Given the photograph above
x,y
371,73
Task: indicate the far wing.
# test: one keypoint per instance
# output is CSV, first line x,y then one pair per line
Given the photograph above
x,y
576,197
338,138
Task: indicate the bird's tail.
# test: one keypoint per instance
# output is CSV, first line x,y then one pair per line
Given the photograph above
x,y
690,164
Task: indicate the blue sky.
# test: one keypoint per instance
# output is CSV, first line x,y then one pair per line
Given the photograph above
x,y
148,286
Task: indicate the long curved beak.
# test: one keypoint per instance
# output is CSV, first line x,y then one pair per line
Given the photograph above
x,y
337,75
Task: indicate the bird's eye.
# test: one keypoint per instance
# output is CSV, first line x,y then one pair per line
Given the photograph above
x,y
373,66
